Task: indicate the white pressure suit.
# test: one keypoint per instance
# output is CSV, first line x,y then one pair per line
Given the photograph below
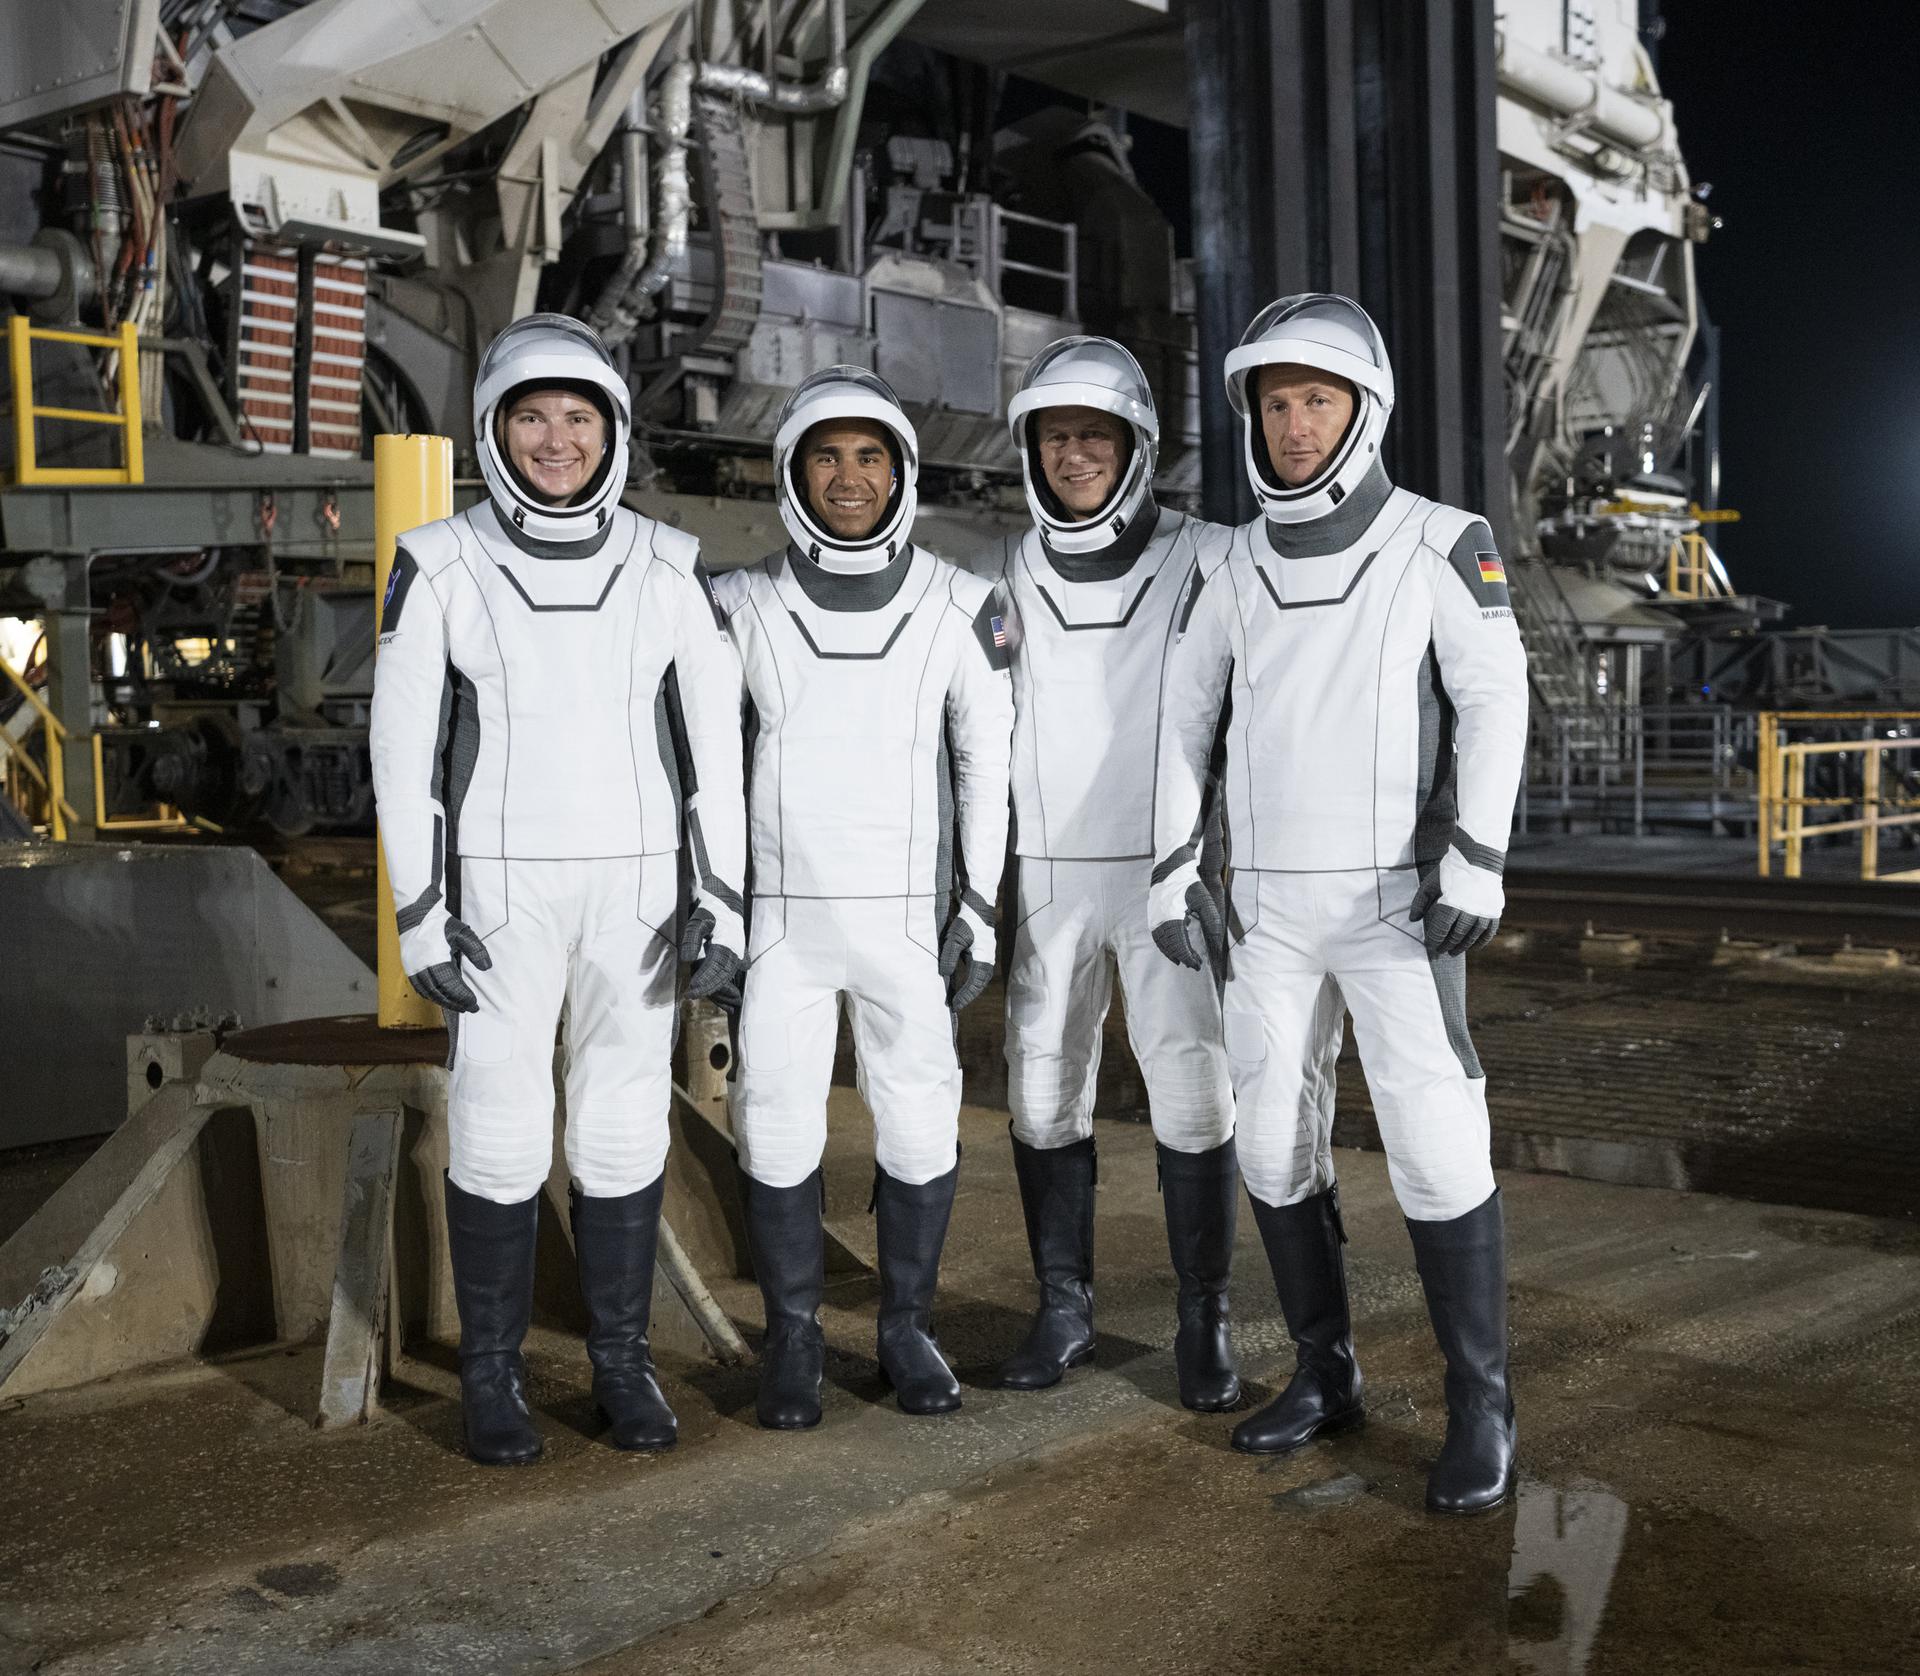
x,y
1379,710
1366,642
526,790
1091,602
880,710
1089,634
856,713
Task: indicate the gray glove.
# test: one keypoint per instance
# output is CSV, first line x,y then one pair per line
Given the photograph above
x,y
717,969
442,983
1449,930
965,964
1199,937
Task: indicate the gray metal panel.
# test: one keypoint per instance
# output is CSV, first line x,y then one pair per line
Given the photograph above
x,y
64,57
102,938
804,292
937,352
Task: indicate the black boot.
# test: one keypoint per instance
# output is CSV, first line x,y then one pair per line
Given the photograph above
x,y
788,1244
1463,1266
614,1240
1303,1246
1200,1190
491,1247
1056,1194
912,1225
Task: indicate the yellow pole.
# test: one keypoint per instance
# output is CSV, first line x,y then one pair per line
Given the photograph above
x,y
20,363
1765,774
56,781
1796,808
130,400
412,485
1870,834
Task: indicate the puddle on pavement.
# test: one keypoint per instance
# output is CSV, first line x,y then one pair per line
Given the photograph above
x,y
1566,1547
1322,1493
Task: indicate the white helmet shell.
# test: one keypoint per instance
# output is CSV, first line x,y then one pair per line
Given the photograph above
x,y
1334,335
846,393
1085,372
552,351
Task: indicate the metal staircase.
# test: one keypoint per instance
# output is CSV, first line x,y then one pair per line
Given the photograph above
x,y
1556,657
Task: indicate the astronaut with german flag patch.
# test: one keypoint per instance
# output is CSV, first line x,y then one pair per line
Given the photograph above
x,y
1365,641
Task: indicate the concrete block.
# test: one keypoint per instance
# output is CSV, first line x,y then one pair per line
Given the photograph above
x,y
177,1267
158,1057
1851,959
1600,948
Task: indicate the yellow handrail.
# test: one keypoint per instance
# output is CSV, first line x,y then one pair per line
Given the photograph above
x,y
1783,790
59,810
27,470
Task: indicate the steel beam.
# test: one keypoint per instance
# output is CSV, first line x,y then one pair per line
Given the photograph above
x,y
1348,145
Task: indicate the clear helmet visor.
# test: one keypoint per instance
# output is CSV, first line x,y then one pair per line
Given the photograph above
x,y
1086,373
856,395
1328,335
550,352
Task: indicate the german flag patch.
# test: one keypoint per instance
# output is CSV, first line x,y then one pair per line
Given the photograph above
x,y
1477,562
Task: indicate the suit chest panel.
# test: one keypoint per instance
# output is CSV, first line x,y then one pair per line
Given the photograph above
x,y
1324,635
1076,638
558,663
823,674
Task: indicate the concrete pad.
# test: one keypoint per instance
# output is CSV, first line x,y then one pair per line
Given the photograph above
x,y
1718,1406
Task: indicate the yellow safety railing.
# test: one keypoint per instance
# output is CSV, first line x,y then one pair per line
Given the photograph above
x,y
21,337
167,818
412,485
1693,569
58,811
1783,799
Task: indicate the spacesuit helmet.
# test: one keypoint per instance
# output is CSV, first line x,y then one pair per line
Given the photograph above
x,y
845,393
1085,372
1333,335
550,352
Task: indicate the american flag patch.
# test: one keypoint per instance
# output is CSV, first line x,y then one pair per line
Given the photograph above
x,y
1491,569
1000,628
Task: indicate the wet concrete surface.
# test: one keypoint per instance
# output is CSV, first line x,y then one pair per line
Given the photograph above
x,y
1718,1405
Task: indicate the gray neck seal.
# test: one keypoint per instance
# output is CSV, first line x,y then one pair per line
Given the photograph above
x,y
1340,528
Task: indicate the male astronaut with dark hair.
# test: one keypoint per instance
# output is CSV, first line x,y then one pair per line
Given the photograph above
x,y
1091,594
530,649
1379,706
871,666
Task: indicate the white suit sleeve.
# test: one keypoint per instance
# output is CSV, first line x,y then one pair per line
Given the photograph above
x,y
410,695
710,685
1198,666
980,708
1483,668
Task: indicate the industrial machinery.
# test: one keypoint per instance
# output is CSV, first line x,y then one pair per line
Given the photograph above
x,y
242,236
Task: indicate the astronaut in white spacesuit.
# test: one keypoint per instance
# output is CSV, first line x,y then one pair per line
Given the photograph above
x,y
1379,701
553,695
870,665
1090,595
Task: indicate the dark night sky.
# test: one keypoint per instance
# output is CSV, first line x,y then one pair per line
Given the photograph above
x,y
1805,120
